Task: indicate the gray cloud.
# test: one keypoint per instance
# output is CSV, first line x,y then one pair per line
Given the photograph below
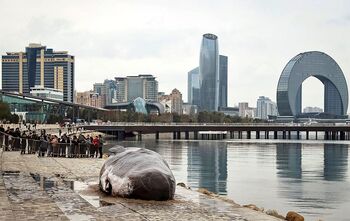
x,y
163,38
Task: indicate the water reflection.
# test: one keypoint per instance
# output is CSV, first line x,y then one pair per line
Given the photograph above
x,y
288,160
311,178
207,166
335,162
44,182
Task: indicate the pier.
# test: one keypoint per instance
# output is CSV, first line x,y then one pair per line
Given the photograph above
x,y
321,131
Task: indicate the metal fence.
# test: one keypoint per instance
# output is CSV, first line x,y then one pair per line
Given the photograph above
x,y
46,148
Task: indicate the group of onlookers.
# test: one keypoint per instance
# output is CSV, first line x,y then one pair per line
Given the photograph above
x,y
49,144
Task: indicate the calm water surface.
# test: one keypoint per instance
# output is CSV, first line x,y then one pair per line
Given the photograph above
x,y
311,178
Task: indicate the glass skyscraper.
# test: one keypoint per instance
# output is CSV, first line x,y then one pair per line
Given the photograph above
x,y
209,73
38,66
222,81
193,87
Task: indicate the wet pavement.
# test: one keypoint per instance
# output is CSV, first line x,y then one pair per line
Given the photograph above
x,y
33,188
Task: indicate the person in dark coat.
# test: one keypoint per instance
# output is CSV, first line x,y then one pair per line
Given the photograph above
x,y
2,134
6,139
75,146
43,146
82,145
36,142
23,142
100,146
16,140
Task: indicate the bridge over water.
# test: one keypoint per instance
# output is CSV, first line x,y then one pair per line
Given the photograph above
x,y
322,131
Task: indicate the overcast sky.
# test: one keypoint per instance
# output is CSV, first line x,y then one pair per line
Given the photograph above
x,y
119,38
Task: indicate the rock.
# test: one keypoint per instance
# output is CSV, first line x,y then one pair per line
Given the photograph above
x,y
182,185
137,173
205,191
293,216
253,207
274,213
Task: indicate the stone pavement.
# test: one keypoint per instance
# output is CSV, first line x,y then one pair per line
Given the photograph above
x,y
33,188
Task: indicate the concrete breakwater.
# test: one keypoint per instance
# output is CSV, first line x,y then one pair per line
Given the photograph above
x,y
66,189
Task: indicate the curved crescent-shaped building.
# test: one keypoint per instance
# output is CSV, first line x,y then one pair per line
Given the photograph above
x,y
303,66
209,73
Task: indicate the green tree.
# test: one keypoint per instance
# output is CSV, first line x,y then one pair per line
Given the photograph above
x,y
5,113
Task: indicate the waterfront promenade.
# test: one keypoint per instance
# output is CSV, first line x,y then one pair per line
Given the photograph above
x,y
33,188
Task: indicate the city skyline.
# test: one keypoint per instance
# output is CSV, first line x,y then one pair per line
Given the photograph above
x,y
163,39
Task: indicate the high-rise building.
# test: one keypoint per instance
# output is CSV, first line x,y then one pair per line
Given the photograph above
x,y
176,100
100,89
173,102
38,66
209,73
265,107
212,77
89,98
107,91
222,81
110,91
193,87
131,87
245,111
242,107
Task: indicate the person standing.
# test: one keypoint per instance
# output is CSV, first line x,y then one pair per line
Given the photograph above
x,y
96,143
54,143
30,142
24,142
75,146
2,134
43,146
6,139
16,140
101,141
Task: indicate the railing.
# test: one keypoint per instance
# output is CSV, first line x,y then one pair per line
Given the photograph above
x,y
208,124
46,148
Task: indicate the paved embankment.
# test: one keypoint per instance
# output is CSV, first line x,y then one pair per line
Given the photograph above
x,y
33,188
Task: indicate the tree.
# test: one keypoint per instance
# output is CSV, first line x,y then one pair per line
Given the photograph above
x,y
5,113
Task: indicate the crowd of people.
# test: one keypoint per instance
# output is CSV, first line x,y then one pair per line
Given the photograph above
x,y
43,144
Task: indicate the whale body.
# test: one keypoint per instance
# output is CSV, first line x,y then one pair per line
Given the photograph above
x,y
137,173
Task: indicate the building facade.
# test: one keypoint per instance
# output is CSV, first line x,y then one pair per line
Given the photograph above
x,y
312,64
212,77
189,109
245,111
173,102
107,91
38,66
47,93
230,111
100,89
193,87
312,110
223,81
176,101
131,87
89,98
209,73
242,107
265,108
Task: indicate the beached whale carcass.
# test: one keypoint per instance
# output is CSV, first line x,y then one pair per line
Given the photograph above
x,y
137,173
